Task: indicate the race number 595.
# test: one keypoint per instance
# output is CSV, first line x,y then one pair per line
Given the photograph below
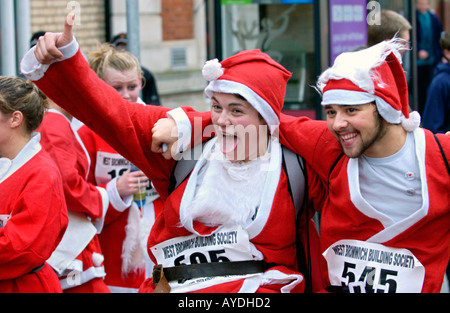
x,y
203,257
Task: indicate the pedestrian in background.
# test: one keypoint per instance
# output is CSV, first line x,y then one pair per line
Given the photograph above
x,y
428,31
436,116
392,24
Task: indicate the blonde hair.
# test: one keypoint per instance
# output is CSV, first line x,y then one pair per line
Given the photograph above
x,y
106,56
16,94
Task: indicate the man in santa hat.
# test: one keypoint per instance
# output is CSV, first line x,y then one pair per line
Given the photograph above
x,y
384,226
231,225
389,202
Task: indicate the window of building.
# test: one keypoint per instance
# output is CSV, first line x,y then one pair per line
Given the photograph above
x,y
283,29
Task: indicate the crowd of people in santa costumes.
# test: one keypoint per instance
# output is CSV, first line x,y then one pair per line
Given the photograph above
x,y
384,225
233,217
205,217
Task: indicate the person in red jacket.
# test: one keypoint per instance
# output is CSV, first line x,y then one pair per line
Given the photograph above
x,y
127,223
385,223
78,259
246,236
33,212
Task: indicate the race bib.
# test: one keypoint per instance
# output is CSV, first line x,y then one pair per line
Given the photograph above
x,y
109,166
112,165
226,245
373,268
3,220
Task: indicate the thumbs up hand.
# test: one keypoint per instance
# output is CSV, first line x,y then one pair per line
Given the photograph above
x,y
47,48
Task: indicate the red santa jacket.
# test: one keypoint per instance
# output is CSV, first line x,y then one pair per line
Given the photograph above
x,y
86,203
33,218
125,223
124,126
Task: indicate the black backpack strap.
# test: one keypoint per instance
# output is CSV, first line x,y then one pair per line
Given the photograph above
x,y
334,165
181,172
184,166
294,166
443,155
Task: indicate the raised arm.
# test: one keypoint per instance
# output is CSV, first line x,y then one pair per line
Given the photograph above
x,y
59,69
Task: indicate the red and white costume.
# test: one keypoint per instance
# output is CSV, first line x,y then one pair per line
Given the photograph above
x,y
369,246
78,259
347,216
123,239
127,127
33,218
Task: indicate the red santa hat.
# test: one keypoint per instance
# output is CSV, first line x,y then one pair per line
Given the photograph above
x,y
371,75
253,75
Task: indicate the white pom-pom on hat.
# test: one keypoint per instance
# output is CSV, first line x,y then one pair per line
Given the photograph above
x,y
412,123
212,70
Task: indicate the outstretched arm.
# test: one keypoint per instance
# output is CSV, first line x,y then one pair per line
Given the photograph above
x,y
65,77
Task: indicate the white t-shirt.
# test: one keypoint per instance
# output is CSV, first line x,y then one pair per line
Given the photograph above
x,y
392,185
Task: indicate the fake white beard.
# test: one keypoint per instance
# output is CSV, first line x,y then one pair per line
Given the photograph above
x,y
229,193
135,244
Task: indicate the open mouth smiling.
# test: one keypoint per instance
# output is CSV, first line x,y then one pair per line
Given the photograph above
x,y
348,138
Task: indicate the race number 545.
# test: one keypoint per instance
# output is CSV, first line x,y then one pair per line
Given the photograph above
x,y
370,280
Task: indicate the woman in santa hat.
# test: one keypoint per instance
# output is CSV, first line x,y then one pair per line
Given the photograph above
x,y
233,218
33,212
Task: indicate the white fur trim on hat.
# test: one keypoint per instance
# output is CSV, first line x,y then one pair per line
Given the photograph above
x,y
260,105
390,115
346,97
